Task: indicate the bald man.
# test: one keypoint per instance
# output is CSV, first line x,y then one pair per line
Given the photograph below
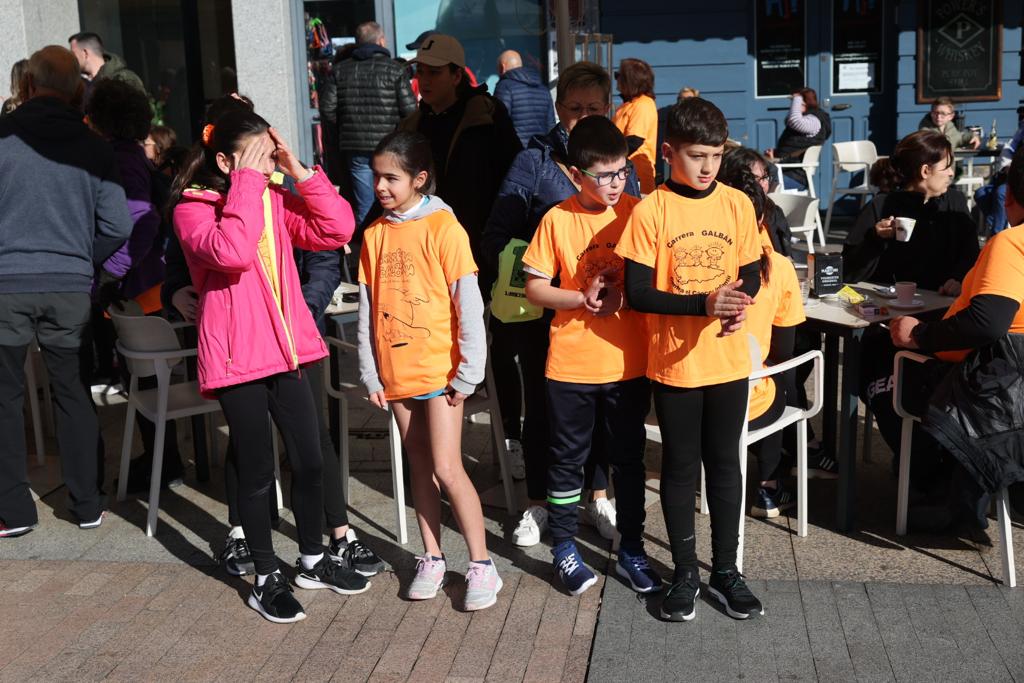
x,y
62,213
525,95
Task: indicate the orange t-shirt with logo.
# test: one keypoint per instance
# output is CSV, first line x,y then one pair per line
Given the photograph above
x,y
778,304
409,269
639,117
695,246
999,270
575,244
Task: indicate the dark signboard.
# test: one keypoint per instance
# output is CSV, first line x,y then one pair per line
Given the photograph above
x,y
779,46
959,50
857,30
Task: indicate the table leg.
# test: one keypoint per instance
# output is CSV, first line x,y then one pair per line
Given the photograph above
x,y
847,452
828,418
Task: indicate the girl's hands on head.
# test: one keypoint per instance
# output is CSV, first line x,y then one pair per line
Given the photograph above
x,y
377,399
886,228
288,162
254,154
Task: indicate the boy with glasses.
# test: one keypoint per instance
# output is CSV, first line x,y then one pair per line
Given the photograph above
x,y
596,360
941,118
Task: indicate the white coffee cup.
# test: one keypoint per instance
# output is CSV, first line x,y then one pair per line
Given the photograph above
x,y
904,229
905,292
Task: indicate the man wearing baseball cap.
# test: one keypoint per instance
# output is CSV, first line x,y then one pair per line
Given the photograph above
x,y
470,132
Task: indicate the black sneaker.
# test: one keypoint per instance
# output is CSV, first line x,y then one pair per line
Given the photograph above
x,y
330,574
820,465
356,556
236,558
274,600
731,590
680,600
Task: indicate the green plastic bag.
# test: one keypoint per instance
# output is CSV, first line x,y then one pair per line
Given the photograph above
x,y
508,296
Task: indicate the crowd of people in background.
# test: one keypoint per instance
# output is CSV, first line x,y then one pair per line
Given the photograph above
x,y
624,260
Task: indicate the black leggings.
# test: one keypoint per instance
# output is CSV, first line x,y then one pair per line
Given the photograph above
x,y
701,424
335,505
769,449
288,398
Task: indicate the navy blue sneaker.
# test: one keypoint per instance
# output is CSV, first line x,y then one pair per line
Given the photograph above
x,y
636,569
771,502
570,568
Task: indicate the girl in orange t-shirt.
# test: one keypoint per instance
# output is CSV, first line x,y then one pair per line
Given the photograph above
x,y
638,116
422,350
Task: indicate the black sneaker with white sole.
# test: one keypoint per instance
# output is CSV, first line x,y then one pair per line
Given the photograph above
x,y
92,523
329,574
274,600
236,558
729,588
356,556
680,602
820,465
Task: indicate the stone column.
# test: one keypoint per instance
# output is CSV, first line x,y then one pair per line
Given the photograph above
x,y
29,25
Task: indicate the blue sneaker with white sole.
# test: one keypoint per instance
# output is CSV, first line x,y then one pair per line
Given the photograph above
x,y
575,575
636,569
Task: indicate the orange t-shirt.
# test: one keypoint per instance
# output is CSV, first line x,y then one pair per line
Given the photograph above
x,y
639,117
778,304
575,244
409,269
694,246
999,270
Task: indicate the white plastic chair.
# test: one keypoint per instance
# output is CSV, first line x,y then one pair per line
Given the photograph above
x,y
809,164
851,157
791,415
903,486
478,403
802,216
151,348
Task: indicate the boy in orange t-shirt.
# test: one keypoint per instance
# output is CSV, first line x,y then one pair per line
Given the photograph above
x,y
596,359
692,261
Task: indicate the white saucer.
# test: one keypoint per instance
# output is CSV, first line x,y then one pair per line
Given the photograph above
x,y
914,303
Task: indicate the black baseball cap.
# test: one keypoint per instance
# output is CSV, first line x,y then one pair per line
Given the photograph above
x,y
415,45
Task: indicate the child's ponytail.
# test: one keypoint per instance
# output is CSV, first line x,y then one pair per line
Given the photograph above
x,y
413,153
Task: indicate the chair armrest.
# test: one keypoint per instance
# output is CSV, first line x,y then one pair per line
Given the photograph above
x,y
797,165
881,156
865,164
897,385
814,357
181,324
340,345
156,355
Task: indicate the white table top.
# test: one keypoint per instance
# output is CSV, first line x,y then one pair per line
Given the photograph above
x,y
838,313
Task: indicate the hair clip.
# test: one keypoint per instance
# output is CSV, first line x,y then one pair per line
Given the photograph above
x,y
207,134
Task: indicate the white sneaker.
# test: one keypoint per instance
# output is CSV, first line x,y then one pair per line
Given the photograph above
x,y
533,523
516,462
601,514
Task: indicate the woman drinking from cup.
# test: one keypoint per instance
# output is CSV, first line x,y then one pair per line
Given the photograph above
x,y
920,232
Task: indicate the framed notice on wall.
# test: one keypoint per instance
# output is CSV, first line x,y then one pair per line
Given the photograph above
x,y
779,46
857,29
959,50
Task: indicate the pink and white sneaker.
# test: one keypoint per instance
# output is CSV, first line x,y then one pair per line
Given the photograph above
x,y
482,586
429,578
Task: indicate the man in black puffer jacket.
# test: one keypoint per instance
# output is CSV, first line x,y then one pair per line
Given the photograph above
x,y
365,98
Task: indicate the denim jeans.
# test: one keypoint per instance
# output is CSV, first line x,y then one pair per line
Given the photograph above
x,y
362,183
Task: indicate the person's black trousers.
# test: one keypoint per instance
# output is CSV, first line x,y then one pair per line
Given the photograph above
x,y
59,321
288,399
701,424
574,411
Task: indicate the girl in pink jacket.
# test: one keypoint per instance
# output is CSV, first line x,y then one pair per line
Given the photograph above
x,y
256,332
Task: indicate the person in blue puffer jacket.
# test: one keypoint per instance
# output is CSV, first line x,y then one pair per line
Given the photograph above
x,y
538,180
527,98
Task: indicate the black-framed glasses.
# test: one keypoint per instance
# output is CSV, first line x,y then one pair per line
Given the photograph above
x,y
766,178
605,179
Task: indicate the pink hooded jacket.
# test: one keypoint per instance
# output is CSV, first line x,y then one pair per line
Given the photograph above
x,y
243,336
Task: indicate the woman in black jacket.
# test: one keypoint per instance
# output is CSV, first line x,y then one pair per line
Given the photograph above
x,y
943,245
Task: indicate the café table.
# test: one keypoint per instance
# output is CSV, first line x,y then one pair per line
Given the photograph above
x,y
836,321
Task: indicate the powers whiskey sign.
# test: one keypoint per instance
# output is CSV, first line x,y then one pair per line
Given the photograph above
x,y
959,50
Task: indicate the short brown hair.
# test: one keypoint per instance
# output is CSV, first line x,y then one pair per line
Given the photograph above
x,y
696,121
925,147
944,102
583,75
635,78
810,97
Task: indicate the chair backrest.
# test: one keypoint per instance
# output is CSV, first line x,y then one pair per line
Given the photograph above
x,y
800,210
811,156
852,156
144,334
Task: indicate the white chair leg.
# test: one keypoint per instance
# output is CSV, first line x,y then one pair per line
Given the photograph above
x,y
32,391
703,492
397,478
903,485
277,466
821,231
154,479
810,241
831,199
801,478
743,501
1006,539
126,449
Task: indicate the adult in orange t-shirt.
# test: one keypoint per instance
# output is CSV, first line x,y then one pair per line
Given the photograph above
x,y
693,262
638,116
596,358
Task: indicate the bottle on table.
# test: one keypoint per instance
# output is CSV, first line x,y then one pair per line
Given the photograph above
x,y
993,138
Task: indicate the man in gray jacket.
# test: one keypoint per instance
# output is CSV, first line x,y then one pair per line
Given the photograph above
x,y
365,98
62,212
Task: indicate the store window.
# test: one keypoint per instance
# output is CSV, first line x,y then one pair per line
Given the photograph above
x,y
183,50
